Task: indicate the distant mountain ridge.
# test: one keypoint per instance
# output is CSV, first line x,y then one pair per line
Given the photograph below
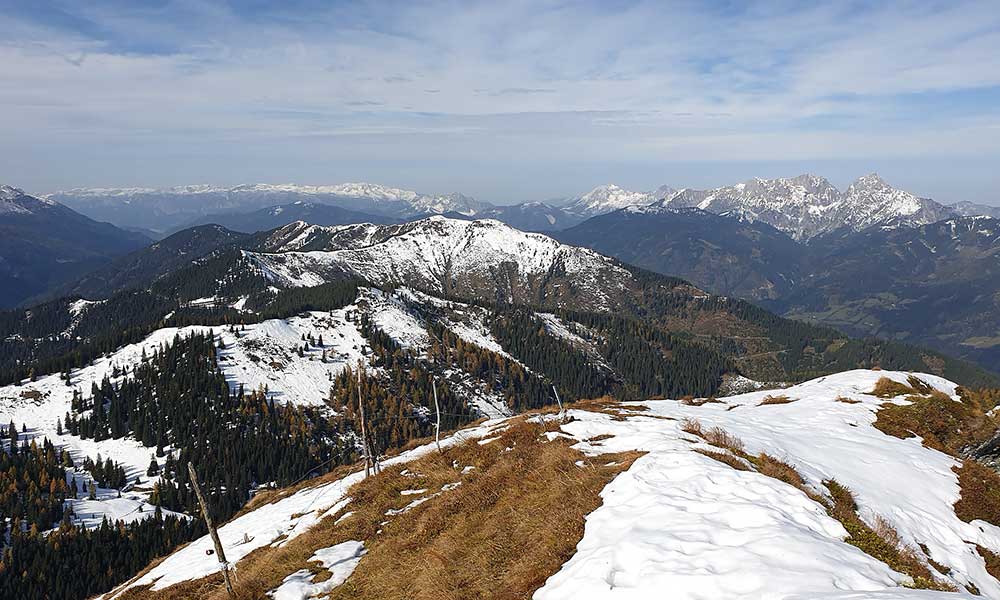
x,y
44,244
167,209
607,198
804,206
272,217
809,205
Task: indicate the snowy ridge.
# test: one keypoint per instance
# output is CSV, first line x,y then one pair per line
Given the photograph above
x,y
808,205
15,201
681,521
610,197
678,520
435,254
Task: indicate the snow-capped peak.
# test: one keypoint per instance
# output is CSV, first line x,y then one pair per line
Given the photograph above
x,y
9,193
807,205
870,181
14,201
437,253
610,197
871,201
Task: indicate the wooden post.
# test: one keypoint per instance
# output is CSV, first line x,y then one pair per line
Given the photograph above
x,y
364,436
559,402
211,529
437,409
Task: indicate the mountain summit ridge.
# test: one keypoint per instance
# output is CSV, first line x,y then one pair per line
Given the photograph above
x,y
808,205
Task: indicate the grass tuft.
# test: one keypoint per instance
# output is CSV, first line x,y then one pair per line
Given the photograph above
x,y
846,400
776,400
726,458
888,388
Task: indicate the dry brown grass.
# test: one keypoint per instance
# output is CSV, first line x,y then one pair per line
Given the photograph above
x,y
980,497
776,400
692,426
888,388
942,423
692,401
512,523
921,386
847,400
992,560
726,458
780,470
723,439
880,540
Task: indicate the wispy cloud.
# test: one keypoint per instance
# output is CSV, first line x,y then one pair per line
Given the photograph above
x,y
399,81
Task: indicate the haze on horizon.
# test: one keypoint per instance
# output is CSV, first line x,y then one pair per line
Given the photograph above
x,y
507,102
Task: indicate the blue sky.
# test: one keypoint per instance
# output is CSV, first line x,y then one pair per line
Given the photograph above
x,y
506,101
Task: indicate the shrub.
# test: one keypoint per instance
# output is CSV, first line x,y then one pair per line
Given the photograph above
x,y
720,437
692,426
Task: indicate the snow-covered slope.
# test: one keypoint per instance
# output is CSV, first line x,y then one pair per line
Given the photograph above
x,y
608,198
808,205
484,258
267,355
682,523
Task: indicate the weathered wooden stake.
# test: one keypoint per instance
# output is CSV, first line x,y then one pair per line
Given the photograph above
x,y
559,402
223,564
364,436
437,409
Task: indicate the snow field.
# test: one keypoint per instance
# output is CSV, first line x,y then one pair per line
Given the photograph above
x,y
684,522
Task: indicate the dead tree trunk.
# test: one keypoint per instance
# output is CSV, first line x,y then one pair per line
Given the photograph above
x,y
223,564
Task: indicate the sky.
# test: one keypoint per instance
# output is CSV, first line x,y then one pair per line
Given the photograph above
x,y
505,101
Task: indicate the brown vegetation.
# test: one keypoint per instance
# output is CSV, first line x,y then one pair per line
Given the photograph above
x,y
725,457
992,560
511,524
692,401
980,497
880,540
888,388
776,400
941,422
846,400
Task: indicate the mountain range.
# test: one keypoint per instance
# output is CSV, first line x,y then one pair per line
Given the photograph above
x,y
276,361
803,206
167,209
